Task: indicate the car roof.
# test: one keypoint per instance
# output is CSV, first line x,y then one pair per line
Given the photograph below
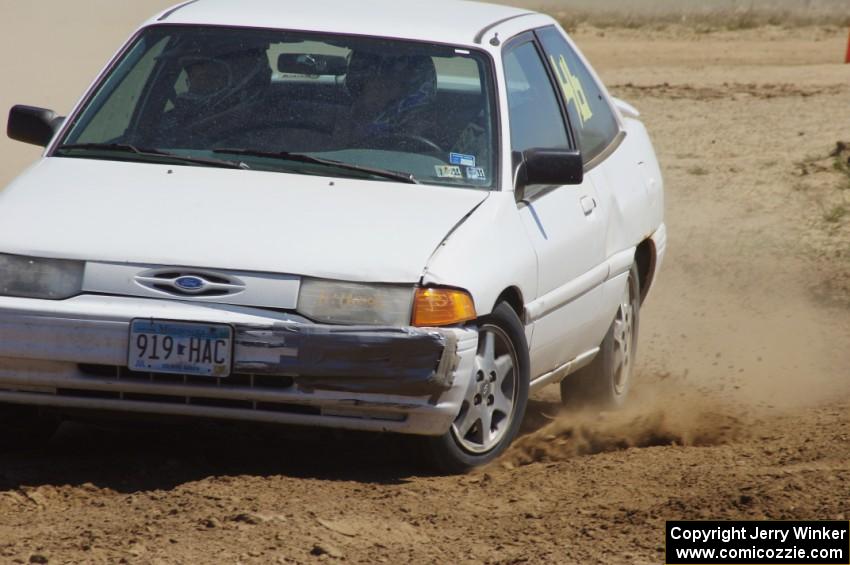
x,y
439,21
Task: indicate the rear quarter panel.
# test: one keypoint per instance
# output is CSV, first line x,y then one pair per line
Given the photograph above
x,y
636,199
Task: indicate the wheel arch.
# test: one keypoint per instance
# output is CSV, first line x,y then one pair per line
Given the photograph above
x,y
513,297
645,257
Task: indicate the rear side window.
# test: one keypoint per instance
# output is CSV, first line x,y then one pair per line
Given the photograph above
x,y
591,117
535,114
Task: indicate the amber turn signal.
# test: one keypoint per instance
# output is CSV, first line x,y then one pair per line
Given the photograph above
x,y
442,307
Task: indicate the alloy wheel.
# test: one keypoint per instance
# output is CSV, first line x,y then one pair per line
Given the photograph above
x,y
489,405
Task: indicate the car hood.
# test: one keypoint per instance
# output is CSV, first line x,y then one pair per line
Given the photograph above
x,y
229,219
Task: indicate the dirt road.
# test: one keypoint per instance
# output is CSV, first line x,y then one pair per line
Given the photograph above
x,y
742,409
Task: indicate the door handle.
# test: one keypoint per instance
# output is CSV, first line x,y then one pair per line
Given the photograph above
x,y
588,204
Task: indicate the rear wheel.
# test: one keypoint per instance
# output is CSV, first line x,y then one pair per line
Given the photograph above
x,y
495,400
605,383
25,427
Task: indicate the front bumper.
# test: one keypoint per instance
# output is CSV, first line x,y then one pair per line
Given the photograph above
x,y
72,354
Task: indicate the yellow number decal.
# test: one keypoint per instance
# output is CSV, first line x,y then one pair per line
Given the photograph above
x,y
572,89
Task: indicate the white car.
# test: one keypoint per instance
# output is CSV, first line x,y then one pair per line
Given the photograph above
x,y
401,217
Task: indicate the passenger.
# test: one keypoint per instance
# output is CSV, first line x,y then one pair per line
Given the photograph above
x,y
222,84
226,81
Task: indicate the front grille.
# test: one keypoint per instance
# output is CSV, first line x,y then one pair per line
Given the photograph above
x,y
209,284
169,275
170,290
242,396
234,381
240,380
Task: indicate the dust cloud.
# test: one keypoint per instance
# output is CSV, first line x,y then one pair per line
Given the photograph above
x,y
661,415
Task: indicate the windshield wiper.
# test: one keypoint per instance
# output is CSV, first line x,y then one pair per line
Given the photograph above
x,y
309,159
146,152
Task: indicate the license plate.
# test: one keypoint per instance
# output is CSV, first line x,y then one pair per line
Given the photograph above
x,y
158,346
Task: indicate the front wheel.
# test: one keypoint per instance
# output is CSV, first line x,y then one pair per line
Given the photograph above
x,y
495,399
606,381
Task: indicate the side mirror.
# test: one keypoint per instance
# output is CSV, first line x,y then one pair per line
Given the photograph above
x,y
33,125
553,167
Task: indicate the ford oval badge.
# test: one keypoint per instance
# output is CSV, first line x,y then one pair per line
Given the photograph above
x,y
190,283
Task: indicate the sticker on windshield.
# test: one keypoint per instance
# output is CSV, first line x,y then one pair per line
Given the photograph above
x,y
448,172
461,159
475,173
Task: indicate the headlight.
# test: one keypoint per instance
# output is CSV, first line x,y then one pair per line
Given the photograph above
x,y
355,303
31,277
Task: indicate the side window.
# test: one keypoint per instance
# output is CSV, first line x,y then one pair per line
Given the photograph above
x,y
535,114
593,122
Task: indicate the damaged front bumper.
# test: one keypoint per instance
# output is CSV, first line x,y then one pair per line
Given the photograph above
x,y
72,355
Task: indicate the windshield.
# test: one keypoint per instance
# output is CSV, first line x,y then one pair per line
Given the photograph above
x,y
306,103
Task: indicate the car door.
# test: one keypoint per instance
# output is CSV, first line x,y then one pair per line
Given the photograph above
x,y
562,222
618,172
610,161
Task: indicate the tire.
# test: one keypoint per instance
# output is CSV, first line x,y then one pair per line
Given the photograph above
x,y
498,394
606,381
25,427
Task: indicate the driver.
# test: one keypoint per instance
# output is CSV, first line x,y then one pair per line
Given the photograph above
x,y
390,94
